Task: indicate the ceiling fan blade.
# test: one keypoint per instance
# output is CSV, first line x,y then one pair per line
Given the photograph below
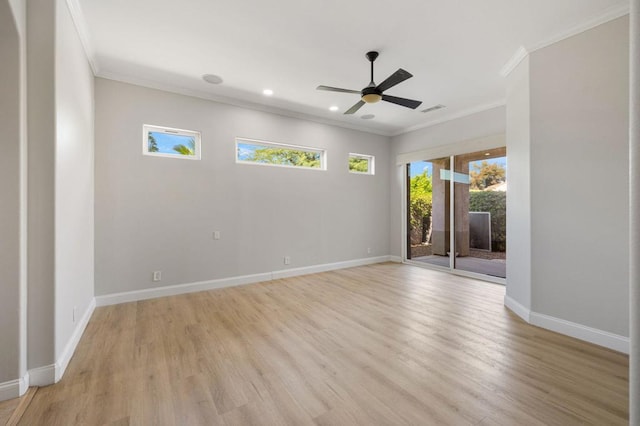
x,y
354,108
409,103
337,89
395,78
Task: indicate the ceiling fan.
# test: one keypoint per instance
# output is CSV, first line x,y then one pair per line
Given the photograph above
x,y
372,93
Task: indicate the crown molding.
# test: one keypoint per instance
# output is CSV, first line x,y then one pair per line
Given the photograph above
x,y
515,60
453,116
152,84
608,15
522,52
79,21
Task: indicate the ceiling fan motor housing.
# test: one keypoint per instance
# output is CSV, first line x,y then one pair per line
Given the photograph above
x,y
371,95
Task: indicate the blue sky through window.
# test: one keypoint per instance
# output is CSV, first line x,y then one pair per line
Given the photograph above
x,y
166,142
245,151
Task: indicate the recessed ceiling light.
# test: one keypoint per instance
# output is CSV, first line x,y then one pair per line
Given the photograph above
x,y
333,108
212,78
267,92
367,116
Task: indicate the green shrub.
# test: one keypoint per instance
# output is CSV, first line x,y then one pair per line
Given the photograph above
x,y
420,217
494,202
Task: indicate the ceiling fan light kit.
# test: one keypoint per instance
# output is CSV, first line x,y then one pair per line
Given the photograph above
x,y
372,93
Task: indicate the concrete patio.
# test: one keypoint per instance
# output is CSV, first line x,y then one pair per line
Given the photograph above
x,y
492,267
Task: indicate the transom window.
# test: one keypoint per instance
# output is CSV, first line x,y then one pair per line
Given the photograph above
x,y
168,142
361,164
250,151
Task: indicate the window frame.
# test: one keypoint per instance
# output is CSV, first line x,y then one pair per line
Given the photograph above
x,y
371,160
269,144
151,128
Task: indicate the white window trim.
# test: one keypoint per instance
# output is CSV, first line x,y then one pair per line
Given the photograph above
x,y
322,152
146,128
370,158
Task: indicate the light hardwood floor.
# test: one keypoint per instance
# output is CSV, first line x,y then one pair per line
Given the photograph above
x,y
385,344
6,410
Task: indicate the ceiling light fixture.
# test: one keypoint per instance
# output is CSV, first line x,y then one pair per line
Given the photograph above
x,y
371,97
333,108
267,92
212,78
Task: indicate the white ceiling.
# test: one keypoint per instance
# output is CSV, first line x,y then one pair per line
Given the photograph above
x,y
455,49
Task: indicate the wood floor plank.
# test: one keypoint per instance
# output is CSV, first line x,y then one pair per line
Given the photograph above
x,y
374,345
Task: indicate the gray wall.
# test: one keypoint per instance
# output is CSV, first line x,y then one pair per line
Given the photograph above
x,y
485,123
60,188
579,178
567,144
74,182
519,179
9,195
159,214
41,179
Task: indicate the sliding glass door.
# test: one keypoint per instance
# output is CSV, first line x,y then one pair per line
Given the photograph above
x,y
428,198
465,209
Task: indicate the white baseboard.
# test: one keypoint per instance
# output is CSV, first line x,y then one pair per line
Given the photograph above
x,y
14,388
568,328
517,308
50,374
42,376
396,259
9,390
172,290
582,332
24,383
294,272
70,348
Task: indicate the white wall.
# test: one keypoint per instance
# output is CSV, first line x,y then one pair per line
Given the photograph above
x,y
9,197
74,164
579,178
485,123
159,214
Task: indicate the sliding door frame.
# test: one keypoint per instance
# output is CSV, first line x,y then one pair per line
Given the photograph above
x,y
496,141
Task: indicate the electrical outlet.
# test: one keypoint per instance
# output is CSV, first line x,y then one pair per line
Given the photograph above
x,y
216,235
368,250
157,275
287,260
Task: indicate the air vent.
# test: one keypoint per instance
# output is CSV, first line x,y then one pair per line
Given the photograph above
x,y
212,78
434,108
368,116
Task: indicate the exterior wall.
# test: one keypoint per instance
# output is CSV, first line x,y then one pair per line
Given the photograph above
x,y
159,213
